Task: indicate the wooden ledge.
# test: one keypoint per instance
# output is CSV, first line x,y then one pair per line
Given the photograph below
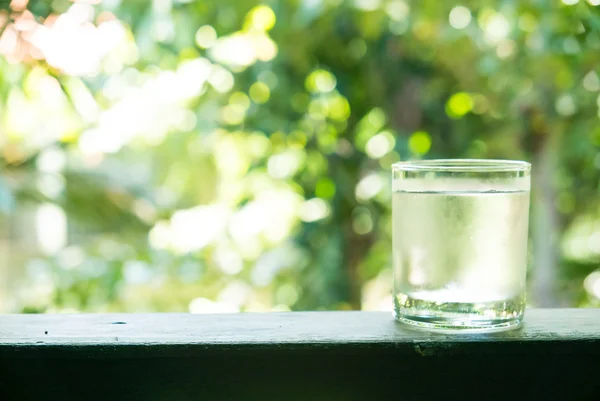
x,y
295,356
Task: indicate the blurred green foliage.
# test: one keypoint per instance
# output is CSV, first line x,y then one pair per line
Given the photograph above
x,y
235,155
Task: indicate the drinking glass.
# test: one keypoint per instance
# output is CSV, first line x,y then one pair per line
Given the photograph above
x,y
460,243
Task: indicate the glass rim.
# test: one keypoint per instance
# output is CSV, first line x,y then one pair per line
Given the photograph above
x,y
463,165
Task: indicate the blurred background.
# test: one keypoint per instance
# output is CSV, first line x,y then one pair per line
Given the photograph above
x,y
224,156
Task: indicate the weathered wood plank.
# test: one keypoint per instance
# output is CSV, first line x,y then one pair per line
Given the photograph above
x,y
294,356
267,328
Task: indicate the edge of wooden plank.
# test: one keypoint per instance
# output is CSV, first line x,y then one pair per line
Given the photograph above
x,y
274,328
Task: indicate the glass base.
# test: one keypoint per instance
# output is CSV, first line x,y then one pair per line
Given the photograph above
x,y
459,317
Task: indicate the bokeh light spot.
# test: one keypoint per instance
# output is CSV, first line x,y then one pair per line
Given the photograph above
x,y
297,139
320,81
313,210
338,108
228,261
259,92
459,104
269,78
397,10
495,26
419,142
325,188
205,305
386,161
380,144
258,144
206,36
376,118
460,17
287,294
592,284
260,18
368,187
317,109
565,105
243,49
367,5
283,165
240,99
506,48
221,79
591,82
233,114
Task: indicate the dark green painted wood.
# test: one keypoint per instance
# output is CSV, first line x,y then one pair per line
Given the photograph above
x,y
294,356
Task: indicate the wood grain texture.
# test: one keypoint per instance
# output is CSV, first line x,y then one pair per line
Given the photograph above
x,y
294,356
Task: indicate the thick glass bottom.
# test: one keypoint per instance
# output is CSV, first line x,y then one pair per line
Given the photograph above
x,y
459,317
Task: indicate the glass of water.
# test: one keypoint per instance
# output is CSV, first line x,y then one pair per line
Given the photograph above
x,y
460,243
